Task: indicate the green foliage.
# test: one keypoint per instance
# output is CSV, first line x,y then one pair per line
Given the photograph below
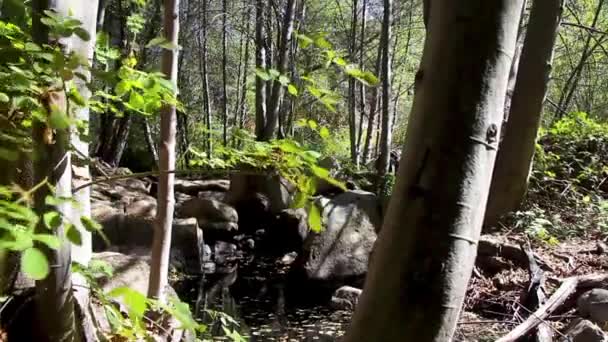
x,y
285,157
135,325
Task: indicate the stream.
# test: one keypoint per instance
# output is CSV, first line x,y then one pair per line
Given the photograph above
x,y
253,292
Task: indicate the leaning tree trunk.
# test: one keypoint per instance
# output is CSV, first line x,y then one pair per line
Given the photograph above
x,y
419,272
166,200
282,61
386,132
352,90
514,160
224,75
373,108
52,164
204,71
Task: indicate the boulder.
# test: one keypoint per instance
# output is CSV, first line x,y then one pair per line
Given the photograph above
x,y
340,253
345,298
193,187
581,330
593,304
132,272
278,191
208,212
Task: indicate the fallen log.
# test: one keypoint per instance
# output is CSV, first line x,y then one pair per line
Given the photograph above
x,y
569,287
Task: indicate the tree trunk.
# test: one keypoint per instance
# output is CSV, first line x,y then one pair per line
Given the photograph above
x,y
224,75
166,200
52,164
150,141
418,276
261,118
373,109
514,160
361,86
240,110
282,61
352,89
386,132
204,71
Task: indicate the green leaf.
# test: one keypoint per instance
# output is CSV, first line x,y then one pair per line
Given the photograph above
x,y
122,87
90,225
284,80
34,264
4,98
58,119
136,302
74,235
291,89
50,240
136,101
312,124
314,218
52,219
82,34
324,133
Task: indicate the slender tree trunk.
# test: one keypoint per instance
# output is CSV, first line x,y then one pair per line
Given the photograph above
x,y
361,85
150,141
418,276
224,74
386,132
374,104
260,63
166,200
243,99
52,163
204,70
269,48
352,89
514,160
282,61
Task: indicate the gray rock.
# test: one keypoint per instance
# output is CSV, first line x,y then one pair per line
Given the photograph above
x,y
224,252
132,272
581,330
276,189
346,298
342,249
193,187
209,212
593,304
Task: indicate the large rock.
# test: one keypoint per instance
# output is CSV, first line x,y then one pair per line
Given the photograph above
x,y
278,191
593,304
339,254
193,187
132,272
582,330
209,213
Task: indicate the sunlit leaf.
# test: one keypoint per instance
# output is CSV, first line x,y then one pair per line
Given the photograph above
x,y
34,264
314,218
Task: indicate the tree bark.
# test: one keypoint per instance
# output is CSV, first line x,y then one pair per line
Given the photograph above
x,y
352,89
224,75
418,276
52,164
514,160
261,118
373,109
204,71
150,141
386,132
361,86
282,61
166,200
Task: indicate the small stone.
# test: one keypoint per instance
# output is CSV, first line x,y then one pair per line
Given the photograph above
x,y
250,243
289,258
346,298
